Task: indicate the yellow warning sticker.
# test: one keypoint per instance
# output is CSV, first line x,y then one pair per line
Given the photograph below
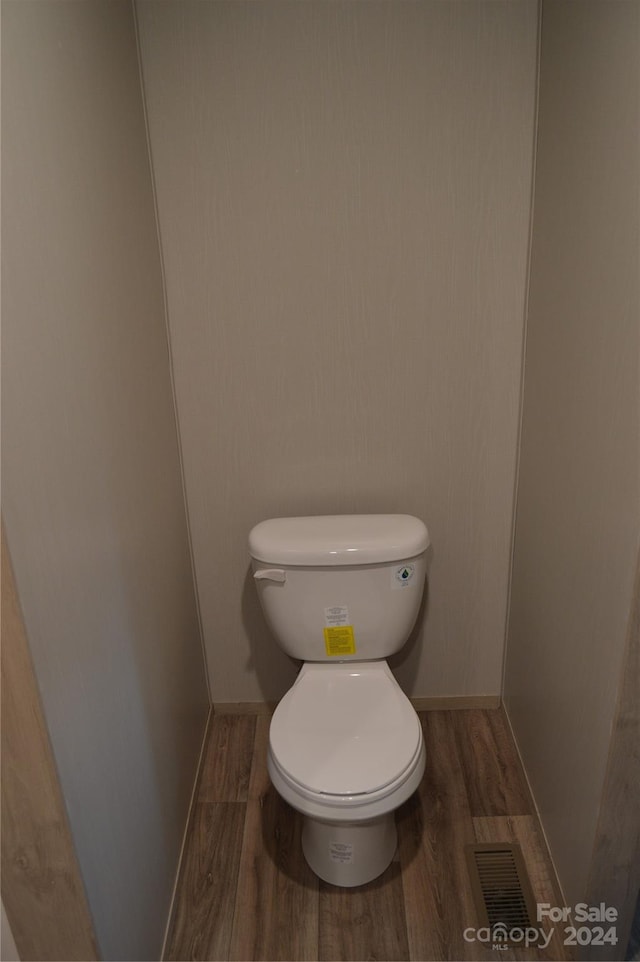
x,y
340,640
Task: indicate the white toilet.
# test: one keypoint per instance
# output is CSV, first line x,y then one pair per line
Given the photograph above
x,y
342,593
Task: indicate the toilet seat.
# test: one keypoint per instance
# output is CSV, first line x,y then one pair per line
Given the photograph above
x,y
345,733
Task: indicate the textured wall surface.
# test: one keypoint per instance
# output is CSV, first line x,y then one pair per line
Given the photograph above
x,y
91,488
578,516
344,194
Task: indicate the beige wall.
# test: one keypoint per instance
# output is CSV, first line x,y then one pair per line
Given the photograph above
x,y
344,194
578,515
91,481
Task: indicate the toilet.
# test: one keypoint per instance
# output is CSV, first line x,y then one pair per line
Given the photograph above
x,y
341,594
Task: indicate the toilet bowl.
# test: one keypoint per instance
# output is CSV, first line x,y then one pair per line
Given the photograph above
x,y
346,749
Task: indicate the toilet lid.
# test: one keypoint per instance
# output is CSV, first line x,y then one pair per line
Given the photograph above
x,y
345,730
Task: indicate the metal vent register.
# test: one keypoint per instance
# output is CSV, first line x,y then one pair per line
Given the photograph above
x,y
501,888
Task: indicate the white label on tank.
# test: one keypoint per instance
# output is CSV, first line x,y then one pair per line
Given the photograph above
x,y
341,852
336,616
402,576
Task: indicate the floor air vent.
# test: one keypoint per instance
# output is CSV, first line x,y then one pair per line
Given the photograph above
x,y
501,888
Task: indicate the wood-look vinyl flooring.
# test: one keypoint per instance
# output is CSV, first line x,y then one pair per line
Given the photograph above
x,y
245,891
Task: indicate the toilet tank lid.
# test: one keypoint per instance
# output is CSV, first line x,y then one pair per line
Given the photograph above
x,y
339,539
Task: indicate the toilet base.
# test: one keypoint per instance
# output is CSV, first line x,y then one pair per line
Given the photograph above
x,y
349,853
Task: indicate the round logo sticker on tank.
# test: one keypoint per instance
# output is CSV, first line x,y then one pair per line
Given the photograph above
x,y
402,576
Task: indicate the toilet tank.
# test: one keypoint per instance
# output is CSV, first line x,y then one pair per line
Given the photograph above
x,y
340,587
